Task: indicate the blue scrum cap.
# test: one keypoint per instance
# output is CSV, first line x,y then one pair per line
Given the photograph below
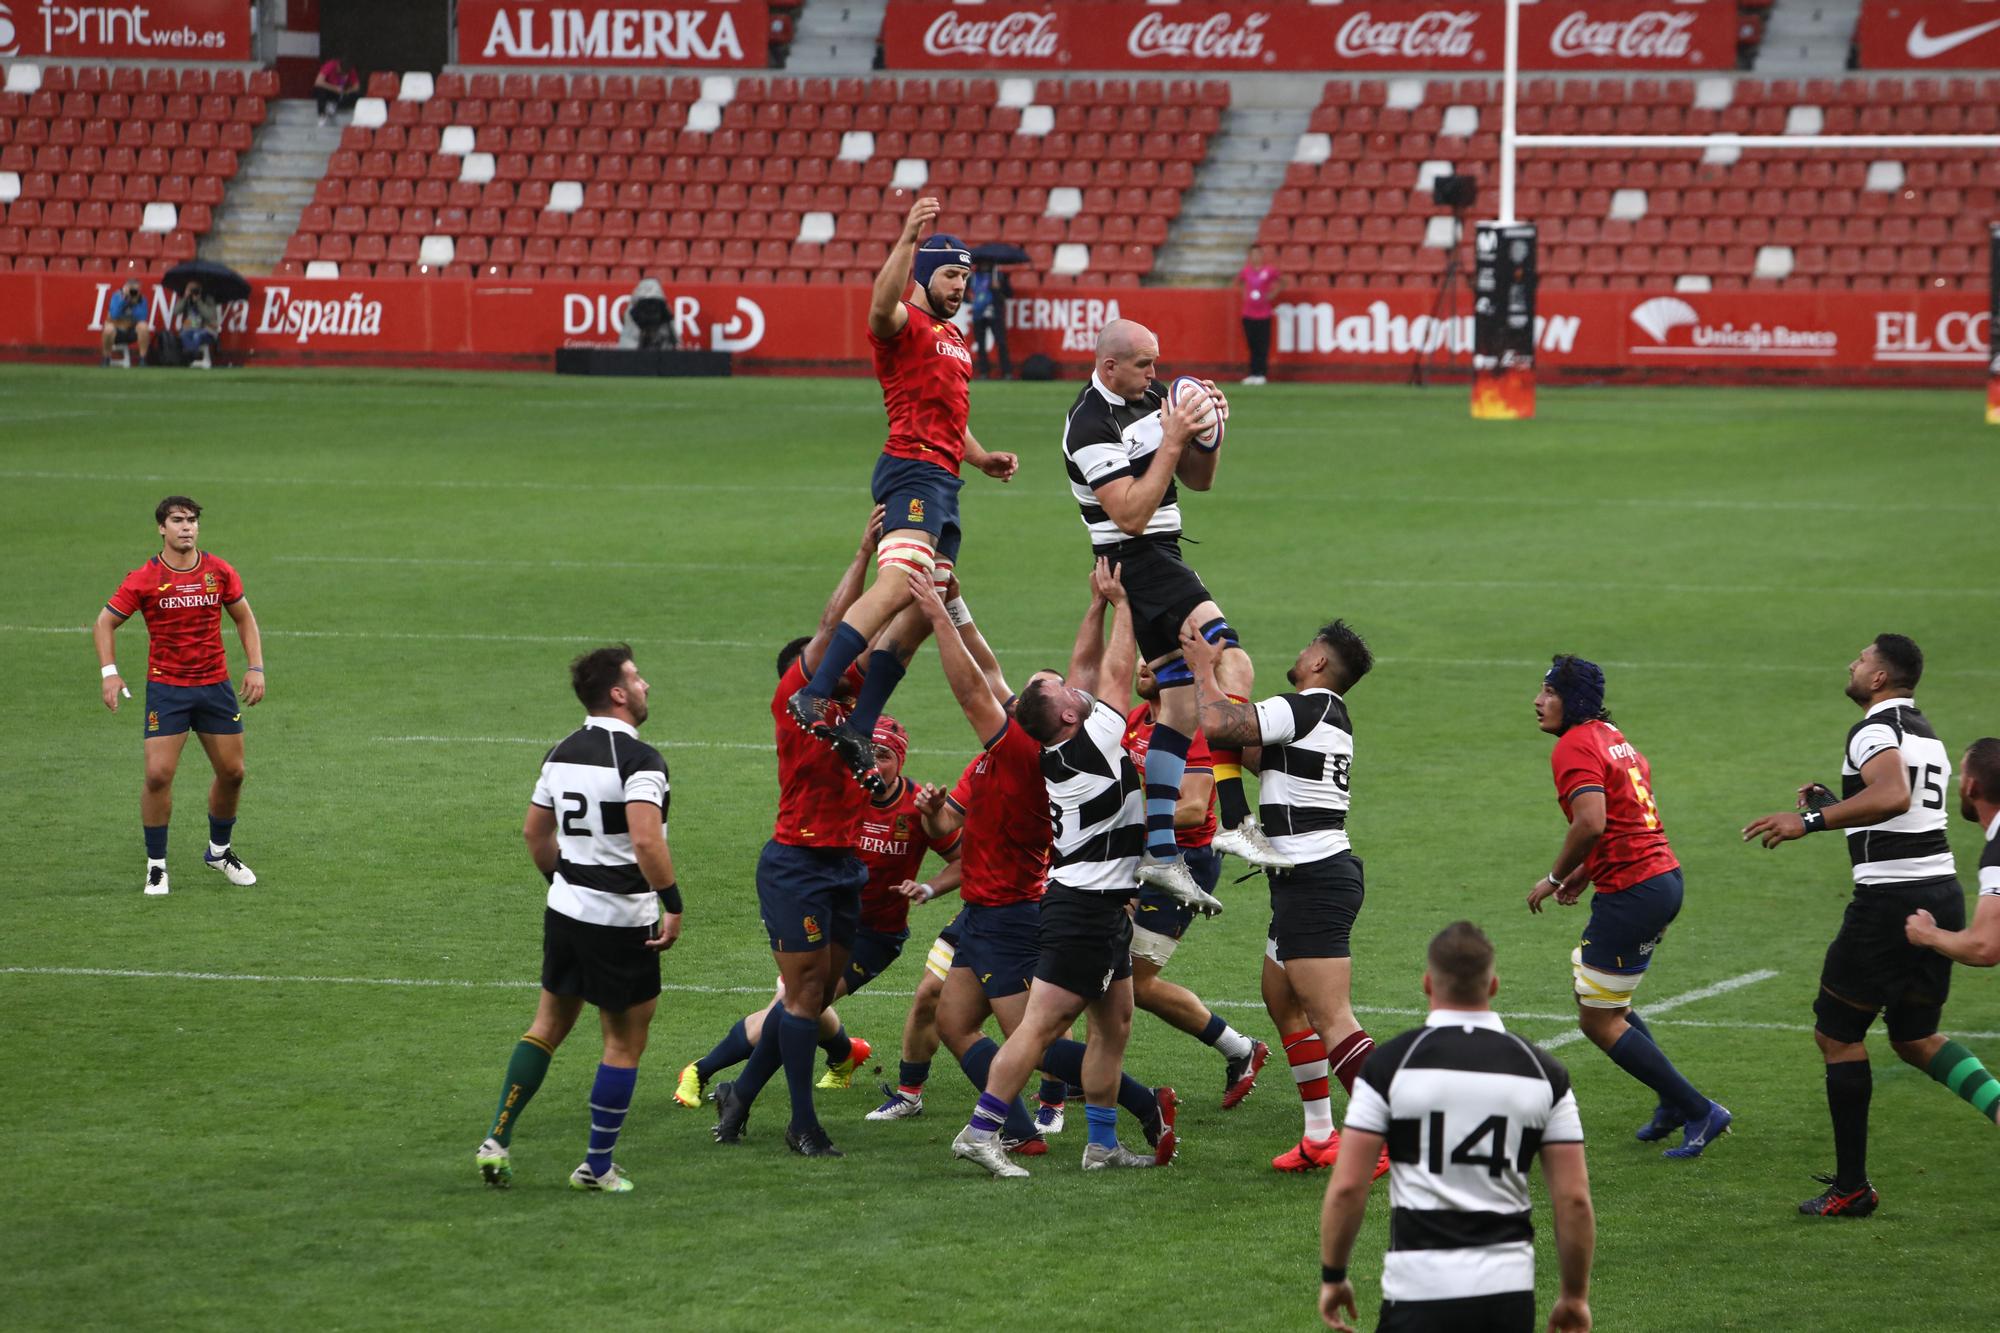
x,y
938,252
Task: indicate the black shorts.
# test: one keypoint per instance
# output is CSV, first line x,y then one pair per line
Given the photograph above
x,y
1871,965
873,952
610,966
1313,908
1159,587
1506,1312
1086,940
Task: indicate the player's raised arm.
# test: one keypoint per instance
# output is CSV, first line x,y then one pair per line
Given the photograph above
x,y
846,592
886,313
1086,656
104,632
1224,722
1121,651
253,650
968,682
975,642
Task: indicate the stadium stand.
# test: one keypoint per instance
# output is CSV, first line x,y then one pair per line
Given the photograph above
x,y
104,169
1356,204
750,179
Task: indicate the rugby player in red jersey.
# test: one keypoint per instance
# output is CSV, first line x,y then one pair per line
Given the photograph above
x,y
1617,844
809,882
182,592
926,374
894,844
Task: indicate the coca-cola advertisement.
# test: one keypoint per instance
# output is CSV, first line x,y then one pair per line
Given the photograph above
x,y
1390,35
634,33
1936,34
178,30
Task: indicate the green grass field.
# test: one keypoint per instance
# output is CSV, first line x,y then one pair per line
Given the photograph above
x,y
257,1107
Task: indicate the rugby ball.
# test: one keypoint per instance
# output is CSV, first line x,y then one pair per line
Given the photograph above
x,y
1188,389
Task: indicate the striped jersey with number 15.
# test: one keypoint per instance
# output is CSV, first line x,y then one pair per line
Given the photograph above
x,y
1912,845
586,781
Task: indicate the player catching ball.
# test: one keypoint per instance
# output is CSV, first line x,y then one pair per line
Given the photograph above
x,y
926,374
182,593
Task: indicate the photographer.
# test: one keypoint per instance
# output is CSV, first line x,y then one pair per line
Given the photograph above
x,y
125,321
201,320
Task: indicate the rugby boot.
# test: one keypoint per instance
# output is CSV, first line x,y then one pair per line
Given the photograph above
x,y
900,1106
1664,1122
858,753
1032,1146
1838,1202
688,1091
811,714
1248,841
732,1114
1049,1118
613,1181
840,1076
1240,1080
495,1163
1171,876
1308,1155
156,880
811,1142
232,867
1712,1127
1097,1157
987,1151
1160,1135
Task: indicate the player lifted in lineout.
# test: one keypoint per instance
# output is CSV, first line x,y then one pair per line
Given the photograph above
x,y
1128,447
926,374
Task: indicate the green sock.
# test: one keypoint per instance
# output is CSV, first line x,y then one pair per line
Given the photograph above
x,y
1960,1070
526,1069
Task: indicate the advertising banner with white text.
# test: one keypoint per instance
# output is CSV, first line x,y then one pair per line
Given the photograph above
x,y
632,33
155,30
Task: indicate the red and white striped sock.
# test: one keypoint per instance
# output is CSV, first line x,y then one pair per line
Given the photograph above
x,y
1347,1057
1306,1054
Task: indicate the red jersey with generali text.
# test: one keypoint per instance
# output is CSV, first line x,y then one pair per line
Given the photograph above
x,y
183,610
926,375
1139,738
1595,756
819,803
1005,858
893,844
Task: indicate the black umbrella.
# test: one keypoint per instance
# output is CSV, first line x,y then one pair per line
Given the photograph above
x,y
220,281
998,252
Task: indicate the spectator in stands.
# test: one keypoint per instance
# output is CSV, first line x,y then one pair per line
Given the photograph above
x,y
125,321
1259,281
337,88
647,322
986,295
201,320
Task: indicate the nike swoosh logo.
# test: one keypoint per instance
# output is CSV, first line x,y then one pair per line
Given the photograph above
x,y
1923,46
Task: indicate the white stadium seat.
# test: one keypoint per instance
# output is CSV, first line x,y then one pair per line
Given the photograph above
x,y
565,197
1065,201
1773,261
911,173
371,113
322,268
1017,92
1885,176
1313,148
1460,122
477,168
10,186
815,228
1405,94
1693,282
24,79
456,141
1428,173
1805,120
1071,258
416,87
719,89
1629,205
160,217
705,117
437,251
1714,94
857,145
1037,120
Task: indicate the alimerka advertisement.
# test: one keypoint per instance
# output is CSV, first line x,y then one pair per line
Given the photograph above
x,y
635,33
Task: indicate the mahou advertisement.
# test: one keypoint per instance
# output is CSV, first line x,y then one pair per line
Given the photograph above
x,y
155,30
1394,35
638,33
1934,34
1930,336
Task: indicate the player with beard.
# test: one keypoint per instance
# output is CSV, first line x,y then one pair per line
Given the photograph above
x,y
926,374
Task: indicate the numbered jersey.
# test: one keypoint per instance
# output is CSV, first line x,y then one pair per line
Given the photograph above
x,y
1989,862
1097,805
1465,1105
1303,775
1596,757
1912,845
586,782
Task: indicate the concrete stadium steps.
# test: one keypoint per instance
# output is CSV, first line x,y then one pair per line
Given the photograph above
x,y
836,37
1808,37
1232,193
261,210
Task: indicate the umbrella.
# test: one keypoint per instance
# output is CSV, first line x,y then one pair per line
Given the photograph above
x,y
998,252
220,281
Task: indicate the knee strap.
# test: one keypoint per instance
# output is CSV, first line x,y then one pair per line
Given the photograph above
x,y
910,557
1218,631
1175,673
941,573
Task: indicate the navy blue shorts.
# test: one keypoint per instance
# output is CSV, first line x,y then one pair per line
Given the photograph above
x,y
1168,916
951,932
809,897
916,494
209,709
1001,945
873,952
1624,926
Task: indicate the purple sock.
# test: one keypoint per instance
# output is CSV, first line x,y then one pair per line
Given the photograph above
x,y
988,1116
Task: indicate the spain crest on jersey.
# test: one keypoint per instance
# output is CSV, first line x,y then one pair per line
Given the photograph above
x,y
208,583
811,926
152,719
917,510
902,826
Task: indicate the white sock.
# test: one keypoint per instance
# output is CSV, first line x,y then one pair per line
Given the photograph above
x,y
216,853
1319,1119
1233,1044
161,863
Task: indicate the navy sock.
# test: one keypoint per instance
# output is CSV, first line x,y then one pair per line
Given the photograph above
x,y
1213,1032
1166,765
1636,1054
610,1099
1064,1060
977,1062
885,672
1632,1019
1054,1092
1103,1125
156,842
836,1046
764,1061
733,1049
798,1043
847,645
220,830
913,1074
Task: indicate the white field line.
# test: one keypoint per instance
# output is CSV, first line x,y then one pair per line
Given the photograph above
x,y
873,993
760,645
1562,1039
454,562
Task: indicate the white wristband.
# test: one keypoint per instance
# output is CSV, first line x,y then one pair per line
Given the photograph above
x,y
930,890
961,615
109,671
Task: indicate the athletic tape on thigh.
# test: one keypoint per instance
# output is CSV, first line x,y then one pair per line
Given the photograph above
x,y
1152,946
1218,631
1271,950
1596,989
941,573
915,557
1175,672
938,961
